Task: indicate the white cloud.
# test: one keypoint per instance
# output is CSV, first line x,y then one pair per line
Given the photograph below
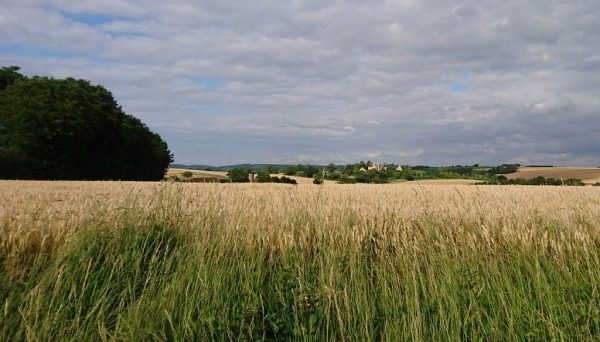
x,y
330,80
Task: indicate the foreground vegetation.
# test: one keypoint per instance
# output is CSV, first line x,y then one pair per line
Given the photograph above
x,y
143,261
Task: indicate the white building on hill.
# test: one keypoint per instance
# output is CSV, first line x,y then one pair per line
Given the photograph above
x,y
379,167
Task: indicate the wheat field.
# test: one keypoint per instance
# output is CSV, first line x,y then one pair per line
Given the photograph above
x,y
185,262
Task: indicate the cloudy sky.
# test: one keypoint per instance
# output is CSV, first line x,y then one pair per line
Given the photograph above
x,y
405,81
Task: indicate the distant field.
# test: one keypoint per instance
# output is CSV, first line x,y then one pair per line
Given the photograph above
x,y
441,182
586,174
197,173
135,261
223,174
303,180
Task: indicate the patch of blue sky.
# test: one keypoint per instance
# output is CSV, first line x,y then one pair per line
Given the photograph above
x,y
460,84
89,19
38,52
28,51
208,83
124,34
94,20
458,87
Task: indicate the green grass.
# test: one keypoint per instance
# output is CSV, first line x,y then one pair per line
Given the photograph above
x,y
165,277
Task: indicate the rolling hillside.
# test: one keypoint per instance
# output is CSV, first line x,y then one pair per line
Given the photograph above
x,y
588,175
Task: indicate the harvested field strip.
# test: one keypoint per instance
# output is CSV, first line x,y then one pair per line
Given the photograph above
x,y
587,175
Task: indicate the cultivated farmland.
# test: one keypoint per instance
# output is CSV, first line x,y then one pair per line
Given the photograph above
x,y
588,175
161,261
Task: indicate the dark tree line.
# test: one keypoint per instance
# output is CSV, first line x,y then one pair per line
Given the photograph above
x,y
539,180
505,168
70,129
241,175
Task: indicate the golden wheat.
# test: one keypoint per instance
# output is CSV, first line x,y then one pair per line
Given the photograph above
x,y
41,210
414,261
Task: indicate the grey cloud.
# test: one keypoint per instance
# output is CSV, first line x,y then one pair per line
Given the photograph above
x,y
320,81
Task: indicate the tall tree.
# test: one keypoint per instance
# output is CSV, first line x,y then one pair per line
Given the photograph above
x,y
238,175
9,75
70,129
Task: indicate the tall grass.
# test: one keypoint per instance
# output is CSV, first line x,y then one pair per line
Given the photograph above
x,y
125,261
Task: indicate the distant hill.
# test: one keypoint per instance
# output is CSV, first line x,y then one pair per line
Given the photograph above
x,y
192,167
229,167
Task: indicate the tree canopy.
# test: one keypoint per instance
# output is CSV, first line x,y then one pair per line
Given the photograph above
x,y
238,175
70,129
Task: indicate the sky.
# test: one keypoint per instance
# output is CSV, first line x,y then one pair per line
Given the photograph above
x,y
432,82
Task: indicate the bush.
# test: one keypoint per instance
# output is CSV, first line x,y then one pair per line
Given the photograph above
x,y
238,175
291,170
310,170
460,170
287,180
373,177
347,180
272,169
504,168
574,182
263,177
283,179
318,178
334,175
187,174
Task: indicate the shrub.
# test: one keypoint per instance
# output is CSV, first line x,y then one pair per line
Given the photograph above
x,y
238,175
318,178
187,174
347,180
311,170
287,180
460,170
263,177
291,170
334,175
574,182
272,169
505,168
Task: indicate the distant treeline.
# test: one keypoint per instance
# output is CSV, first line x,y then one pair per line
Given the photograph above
x,y
539,180
70,129
361,173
